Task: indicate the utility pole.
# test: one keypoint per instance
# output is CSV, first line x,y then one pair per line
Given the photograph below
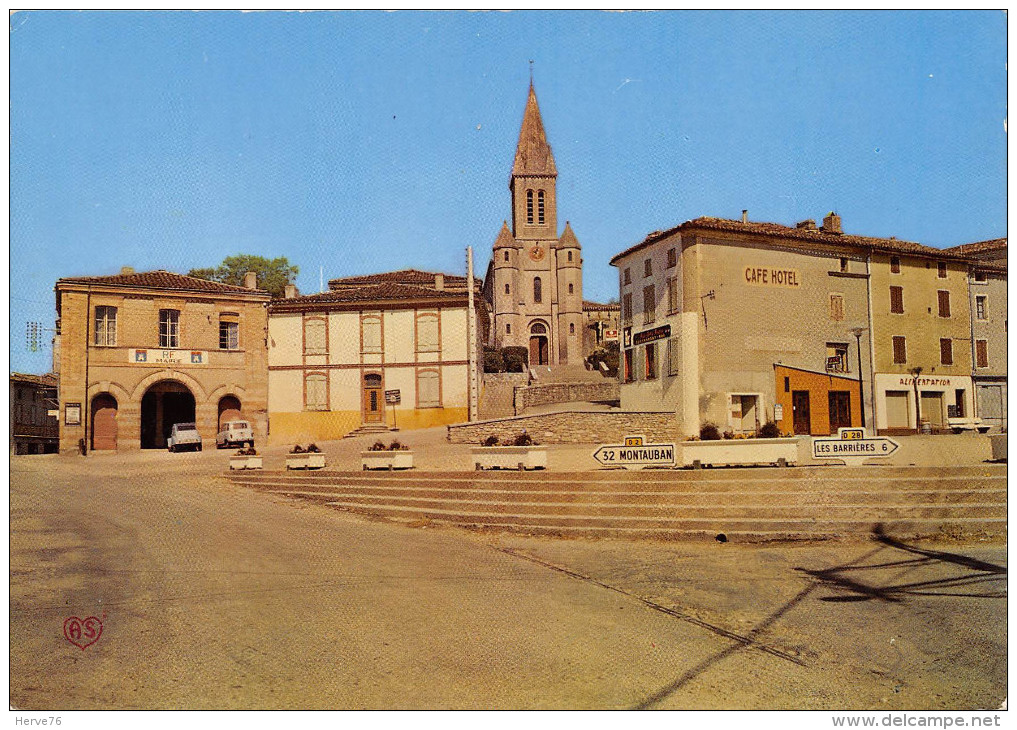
x,y
471,338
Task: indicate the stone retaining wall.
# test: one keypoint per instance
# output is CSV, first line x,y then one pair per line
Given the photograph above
x,y
570,427
542,394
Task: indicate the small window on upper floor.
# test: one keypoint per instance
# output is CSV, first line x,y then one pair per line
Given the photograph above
x,y
507,289
169,328
648,267
627,275
570,256
572,289
672,258
529,206
979,276
540,207
843,265
508,328
895,264
106,326
538,290
572,328
941,269
506,255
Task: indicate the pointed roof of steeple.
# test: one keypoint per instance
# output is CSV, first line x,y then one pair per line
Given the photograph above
x,y
505,239
533,153
568,238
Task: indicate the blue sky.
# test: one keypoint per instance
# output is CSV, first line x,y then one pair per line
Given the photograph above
x,y
369,141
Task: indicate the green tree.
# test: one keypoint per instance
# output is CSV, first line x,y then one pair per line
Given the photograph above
x,y
273,274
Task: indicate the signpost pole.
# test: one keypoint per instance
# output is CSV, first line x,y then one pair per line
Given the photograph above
x,y
471,340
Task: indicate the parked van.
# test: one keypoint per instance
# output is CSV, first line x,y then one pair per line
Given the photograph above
x,y
234,433
184,436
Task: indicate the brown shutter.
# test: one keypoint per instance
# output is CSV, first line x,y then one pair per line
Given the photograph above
x,y
897,300
899,350
944,303
946,351
982,353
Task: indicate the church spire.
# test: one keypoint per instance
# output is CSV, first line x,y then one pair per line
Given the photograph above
x,y
533,153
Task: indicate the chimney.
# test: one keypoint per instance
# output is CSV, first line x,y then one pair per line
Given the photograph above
x,y
831,224
439,282
251,280
126,269
808,224
745,216
290,291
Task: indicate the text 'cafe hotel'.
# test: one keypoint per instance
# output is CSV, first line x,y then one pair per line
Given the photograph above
x,y
737,323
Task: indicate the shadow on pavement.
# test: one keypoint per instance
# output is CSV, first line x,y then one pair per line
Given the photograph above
x,y
975,573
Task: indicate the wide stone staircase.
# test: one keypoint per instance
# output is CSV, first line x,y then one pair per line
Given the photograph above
x,y
747,505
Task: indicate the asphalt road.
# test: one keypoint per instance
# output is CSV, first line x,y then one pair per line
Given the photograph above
x,y
212,596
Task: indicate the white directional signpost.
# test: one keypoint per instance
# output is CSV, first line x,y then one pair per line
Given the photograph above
x,y
635,453
853,446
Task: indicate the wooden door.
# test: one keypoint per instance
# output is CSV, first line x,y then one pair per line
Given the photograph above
x,y
104,423
840,410
374,402
802,415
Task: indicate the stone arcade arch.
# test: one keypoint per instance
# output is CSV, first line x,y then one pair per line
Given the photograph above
x,y
164,403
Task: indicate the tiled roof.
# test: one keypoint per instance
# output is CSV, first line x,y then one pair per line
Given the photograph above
x,y
384,292
49,380
966,249
568,238
533,153
598,307
802,235
412,277
161,280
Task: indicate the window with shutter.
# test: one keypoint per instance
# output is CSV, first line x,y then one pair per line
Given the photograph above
x,y
649,304
897,300
900,353
837,307
944,303
982,353
428,392
315,395
314,336
370,332
427,332
946,351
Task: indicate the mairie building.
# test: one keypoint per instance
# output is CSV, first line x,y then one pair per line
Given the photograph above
x,y
140,351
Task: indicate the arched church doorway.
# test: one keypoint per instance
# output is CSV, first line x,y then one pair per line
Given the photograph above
x,y
104,423
538,344
165,403
229,410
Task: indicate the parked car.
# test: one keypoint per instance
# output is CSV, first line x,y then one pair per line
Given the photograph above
x,y
234,433
184,436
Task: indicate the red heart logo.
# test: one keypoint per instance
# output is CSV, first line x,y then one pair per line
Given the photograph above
x,y
82,632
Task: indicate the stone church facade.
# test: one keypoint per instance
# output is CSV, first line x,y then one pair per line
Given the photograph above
x,y
534,283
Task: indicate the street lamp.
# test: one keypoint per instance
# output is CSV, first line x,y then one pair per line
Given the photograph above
x,y
857,332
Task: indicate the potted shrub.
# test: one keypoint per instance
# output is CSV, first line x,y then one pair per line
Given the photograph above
x,y
522,453
245,459
762,449
393,456
309,458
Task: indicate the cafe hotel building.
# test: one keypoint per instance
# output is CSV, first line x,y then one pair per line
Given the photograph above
x,y
737,323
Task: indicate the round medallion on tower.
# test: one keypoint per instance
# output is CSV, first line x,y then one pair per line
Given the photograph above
x,y
537,252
